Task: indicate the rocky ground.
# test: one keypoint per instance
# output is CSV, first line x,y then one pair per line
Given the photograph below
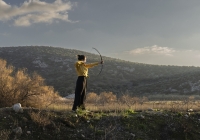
x,y
35,124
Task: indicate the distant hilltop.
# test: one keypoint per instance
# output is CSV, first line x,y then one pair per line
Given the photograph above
x,y
56,66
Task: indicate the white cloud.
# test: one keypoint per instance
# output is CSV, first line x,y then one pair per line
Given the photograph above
x,y
35,11
153,50
162,56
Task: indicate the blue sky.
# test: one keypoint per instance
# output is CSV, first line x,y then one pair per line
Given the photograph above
x,y
164,32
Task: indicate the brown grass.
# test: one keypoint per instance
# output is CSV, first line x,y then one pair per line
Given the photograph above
x,y
4,134
136,105
40,118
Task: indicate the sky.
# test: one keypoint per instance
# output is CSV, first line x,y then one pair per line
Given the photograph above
x,y
161,32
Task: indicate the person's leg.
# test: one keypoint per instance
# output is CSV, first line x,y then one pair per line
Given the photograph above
x,y
78,91
83,95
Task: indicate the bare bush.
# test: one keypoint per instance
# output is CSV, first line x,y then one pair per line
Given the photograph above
x,y
128,100
19,87
92,97
40,118
107,97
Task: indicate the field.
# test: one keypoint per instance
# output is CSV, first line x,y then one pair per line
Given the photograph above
x,y
138,105
150,120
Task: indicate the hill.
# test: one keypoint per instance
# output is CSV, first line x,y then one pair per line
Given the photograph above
x,y
56,65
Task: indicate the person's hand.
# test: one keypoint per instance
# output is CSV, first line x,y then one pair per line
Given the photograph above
x,y
101,62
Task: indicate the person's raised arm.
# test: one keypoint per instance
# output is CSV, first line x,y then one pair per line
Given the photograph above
x,y
93,64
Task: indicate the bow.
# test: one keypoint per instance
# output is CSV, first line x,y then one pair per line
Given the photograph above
x,y
101,60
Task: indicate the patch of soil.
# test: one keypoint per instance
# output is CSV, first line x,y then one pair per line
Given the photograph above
x,y
44,124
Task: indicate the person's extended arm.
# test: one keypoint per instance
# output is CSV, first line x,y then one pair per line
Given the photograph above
x,y
91,65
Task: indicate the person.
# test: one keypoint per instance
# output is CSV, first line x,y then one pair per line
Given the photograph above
x,y
81,83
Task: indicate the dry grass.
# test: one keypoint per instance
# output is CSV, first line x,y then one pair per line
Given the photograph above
x,y
159,105
118,106
61,105
4,134
39,118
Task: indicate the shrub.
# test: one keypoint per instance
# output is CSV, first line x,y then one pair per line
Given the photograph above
x,y
19,87
128,100
125,99
107,97
40,118
92,97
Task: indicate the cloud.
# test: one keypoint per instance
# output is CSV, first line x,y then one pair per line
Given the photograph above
x,y
153,50
35,11
162,56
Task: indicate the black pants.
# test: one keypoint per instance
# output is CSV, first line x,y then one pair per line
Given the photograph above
x,y
80,93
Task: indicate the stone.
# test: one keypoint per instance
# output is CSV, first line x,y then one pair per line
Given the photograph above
x,y
190,110
17,108
18,131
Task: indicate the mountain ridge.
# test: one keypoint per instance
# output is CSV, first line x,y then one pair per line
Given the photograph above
x,y
56,66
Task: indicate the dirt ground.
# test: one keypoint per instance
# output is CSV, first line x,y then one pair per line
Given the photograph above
x,y
126,125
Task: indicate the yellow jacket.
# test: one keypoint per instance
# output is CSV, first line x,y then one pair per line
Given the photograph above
x,y
82,68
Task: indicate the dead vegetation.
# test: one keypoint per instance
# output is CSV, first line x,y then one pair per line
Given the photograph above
x,y
19,87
